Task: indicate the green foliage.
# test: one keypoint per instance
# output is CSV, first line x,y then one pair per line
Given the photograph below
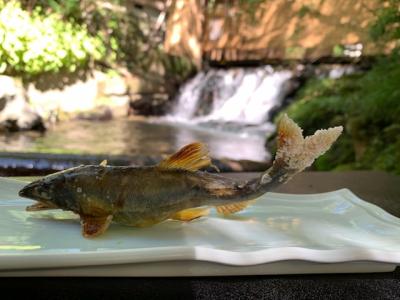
x,y
307,10
125,35
383,152
387,24
338,50
32,43
367,105
303,11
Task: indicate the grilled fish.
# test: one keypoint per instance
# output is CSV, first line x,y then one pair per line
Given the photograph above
x,y
173,189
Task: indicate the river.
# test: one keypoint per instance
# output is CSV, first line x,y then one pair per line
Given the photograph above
x,y
132,137
230,110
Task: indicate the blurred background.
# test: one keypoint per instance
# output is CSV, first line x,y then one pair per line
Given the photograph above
x,y
134,80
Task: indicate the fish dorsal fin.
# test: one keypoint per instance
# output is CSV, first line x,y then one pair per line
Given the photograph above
x,y
103,163
192,157
232,208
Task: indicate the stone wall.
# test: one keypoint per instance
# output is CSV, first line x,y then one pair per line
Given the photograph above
x,y
85,94
276,29
91,96
185,29
51,98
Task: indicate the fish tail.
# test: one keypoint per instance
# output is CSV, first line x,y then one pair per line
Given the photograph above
x,y
294,154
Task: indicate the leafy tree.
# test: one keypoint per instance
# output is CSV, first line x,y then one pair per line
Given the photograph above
x,y
31,43
44,36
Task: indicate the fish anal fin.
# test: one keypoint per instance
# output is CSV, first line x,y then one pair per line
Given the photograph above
x,y
191,214
192,157
38,206
93,226
232,208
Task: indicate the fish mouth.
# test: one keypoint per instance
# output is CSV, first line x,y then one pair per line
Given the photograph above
x,y
28,191
35,190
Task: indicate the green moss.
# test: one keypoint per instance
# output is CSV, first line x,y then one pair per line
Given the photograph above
x,y
383,152
367,105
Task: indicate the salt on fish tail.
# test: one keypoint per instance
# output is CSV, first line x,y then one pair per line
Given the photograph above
x,y
298,152
294,154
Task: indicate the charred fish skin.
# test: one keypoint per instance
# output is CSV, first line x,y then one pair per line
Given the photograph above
x,y
175,188
139,196
129,193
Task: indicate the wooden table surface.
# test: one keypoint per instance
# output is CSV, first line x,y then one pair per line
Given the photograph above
x,y
379,188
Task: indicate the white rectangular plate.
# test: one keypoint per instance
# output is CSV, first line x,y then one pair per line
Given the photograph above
x,y
279,234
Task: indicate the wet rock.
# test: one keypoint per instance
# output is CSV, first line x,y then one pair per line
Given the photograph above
x,y
15,113
69,94
100,113
149,104
205,105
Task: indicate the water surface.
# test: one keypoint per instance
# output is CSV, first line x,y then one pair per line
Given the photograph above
x,y
132,137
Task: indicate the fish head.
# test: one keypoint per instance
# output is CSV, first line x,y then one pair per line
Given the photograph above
x,y
50,191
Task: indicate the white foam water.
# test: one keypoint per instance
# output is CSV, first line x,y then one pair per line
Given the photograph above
x,y
239,95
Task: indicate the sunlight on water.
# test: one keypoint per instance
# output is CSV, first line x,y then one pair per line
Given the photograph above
x,y
131,137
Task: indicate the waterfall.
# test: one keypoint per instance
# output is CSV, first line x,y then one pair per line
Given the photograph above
x,y
237,95
231,109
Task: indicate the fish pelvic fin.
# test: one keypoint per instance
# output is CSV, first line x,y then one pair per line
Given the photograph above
x,y
192,157
93,226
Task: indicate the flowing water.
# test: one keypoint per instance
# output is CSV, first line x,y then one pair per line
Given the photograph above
x,y
229,110
239,95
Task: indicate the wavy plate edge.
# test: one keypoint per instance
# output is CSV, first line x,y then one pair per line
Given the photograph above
x,y
224,257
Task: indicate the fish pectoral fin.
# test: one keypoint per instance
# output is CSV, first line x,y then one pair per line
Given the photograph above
x,y
190,214
40,206
192,157
93,226
232,208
